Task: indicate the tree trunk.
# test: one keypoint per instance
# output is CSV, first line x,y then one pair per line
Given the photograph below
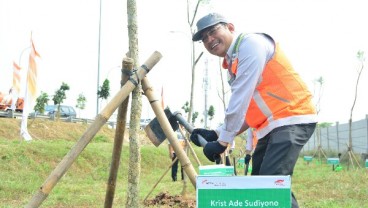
x,y
134,168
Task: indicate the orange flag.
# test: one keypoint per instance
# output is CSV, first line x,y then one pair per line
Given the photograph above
x,y
32,72
31,90
16,78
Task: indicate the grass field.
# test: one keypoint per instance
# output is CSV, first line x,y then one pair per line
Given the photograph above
x,y
25,166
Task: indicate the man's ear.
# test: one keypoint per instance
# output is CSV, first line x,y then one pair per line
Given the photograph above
x,y
231,27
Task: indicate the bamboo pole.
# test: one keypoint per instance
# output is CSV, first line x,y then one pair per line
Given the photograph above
x,y
167,129
119,136
100,120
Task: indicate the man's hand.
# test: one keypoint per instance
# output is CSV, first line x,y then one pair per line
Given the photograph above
x,y
212,150
247,158
208,135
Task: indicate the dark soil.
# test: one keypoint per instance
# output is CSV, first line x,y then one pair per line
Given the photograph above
x,y
165,200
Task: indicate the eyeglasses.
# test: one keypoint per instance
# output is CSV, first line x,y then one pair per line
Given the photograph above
x,y
210,32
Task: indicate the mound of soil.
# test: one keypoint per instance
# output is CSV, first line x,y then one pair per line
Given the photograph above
x,y
165,200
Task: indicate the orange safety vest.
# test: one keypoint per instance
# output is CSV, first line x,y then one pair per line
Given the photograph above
x,y
280,98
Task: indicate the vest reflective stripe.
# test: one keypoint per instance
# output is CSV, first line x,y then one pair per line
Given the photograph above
x,y
262,105
234,57
280,98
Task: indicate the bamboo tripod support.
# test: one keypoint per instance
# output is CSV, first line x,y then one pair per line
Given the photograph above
x,y
169,132
88,135
119,136
319,150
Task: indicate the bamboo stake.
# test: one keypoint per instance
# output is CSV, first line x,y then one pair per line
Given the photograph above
x,y
167,129
119,136
100,120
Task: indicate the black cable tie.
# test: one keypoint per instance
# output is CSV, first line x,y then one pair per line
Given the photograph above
x,y
145,68
126,72
136,75
133,80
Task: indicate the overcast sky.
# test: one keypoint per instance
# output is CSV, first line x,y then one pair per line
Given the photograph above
x,y
320,37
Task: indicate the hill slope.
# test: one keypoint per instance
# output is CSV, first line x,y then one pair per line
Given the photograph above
x,y
44,129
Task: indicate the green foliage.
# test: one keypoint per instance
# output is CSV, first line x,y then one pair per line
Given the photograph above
x,y
211,112
360,56
41,102
60,94
104,91
185,107
81,102
101,138
194,116
25,166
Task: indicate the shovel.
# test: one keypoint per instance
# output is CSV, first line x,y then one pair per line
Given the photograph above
x,y
157,135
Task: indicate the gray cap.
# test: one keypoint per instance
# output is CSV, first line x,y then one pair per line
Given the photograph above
x,y
207,21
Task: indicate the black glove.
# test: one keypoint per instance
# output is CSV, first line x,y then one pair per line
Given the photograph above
x,y
247,159
212,150
208,135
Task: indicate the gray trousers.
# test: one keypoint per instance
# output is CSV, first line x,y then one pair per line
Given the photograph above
x,y
278,151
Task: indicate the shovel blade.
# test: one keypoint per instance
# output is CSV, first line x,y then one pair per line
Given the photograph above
x,y
154,131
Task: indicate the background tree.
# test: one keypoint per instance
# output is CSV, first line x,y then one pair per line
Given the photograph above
x,y
60,96
222,93
104,91
81,103
319,81
211,112
361,59
194,60
185,107
194,117
41,102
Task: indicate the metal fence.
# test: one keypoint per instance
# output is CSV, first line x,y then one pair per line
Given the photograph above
x,y
336,137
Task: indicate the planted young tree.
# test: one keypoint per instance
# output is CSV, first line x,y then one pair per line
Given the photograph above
x,y
361,59
60,96
81,102
134,167
318,83
41,101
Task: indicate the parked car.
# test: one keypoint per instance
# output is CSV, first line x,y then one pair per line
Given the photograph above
x,y
51,111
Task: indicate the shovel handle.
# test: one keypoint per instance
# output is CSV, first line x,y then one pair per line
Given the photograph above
x,y
201,140
190,129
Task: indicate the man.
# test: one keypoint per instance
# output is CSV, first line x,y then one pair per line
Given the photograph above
x,y
267,95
